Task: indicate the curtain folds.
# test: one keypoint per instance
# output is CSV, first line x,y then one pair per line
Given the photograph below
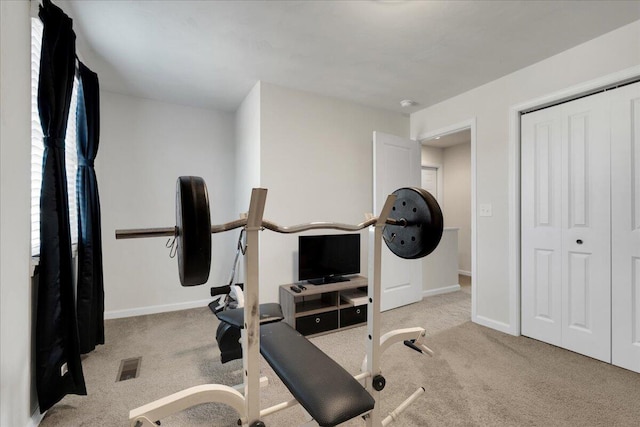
x,y
58,365
90,299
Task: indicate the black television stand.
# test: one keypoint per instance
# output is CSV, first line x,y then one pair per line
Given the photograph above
x,y
329,279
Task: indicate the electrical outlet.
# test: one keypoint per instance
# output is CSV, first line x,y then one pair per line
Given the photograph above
x,y
485,209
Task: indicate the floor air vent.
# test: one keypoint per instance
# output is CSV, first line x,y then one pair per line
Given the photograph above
x,y
129,369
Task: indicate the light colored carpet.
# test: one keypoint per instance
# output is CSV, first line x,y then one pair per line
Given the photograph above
x,y
479,377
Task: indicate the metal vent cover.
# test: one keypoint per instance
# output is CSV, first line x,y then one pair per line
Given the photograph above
x,y
129,369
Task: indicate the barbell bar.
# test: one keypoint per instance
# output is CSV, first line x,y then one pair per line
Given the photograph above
x,y
413,229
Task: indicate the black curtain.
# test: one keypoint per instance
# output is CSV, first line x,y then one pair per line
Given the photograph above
x,y
58,365
90,299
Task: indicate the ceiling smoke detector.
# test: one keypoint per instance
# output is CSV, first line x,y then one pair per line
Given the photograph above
x,y
408,103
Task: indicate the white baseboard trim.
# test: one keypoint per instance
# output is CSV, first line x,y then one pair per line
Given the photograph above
x,y
438,291
154,309
493,324
464,273
36,418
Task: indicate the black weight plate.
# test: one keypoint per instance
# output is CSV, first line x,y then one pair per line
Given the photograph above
x,y
424,224
193,227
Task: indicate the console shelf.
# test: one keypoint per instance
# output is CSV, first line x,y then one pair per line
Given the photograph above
x,y
324,308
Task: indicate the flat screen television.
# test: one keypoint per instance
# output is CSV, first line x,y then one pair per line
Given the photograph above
x,y
328,258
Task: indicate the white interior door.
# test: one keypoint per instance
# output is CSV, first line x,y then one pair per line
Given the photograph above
x,y
430,181
396,164
625,207
586,290
566,267
541,224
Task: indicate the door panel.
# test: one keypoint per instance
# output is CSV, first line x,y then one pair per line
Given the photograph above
x,y
578,170
565,225
543,285
578,270
430,181
396,165
543,176
625,206
586,227
635,304
541,220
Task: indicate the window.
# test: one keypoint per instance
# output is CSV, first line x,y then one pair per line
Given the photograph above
x,y
37,147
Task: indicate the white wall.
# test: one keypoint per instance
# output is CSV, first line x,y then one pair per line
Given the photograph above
x,y
490,104
457,198
247,125
316,160
432,156
144,146
15,206
440,268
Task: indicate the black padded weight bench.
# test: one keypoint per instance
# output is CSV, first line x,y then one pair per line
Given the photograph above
x,y
324,388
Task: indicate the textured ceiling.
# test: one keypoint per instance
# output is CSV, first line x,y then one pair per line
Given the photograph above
x,y
377,53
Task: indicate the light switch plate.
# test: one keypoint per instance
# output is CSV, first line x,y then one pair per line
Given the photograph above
x,y
485,209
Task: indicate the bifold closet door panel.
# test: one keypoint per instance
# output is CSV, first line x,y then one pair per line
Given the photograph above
x,y
541,136
586,227
566,226
625,204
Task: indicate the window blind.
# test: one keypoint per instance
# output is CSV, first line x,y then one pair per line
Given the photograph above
x,y
37,146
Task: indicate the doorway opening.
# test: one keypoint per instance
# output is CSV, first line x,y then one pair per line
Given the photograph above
x,y
448,172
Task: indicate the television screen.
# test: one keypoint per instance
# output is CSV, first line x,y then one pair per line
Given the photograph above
x,y
326,258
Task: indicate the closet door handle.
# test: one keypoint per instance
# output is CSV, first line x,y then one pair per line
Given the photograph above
x,y
579,241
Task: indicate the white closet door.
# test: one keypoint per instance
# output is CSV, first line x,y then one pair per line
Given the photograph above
x,y
586,237
566,269
625,138
541,226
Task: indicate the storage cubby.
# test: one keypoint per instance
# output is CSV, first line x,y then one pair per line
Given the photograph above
x,y
323,308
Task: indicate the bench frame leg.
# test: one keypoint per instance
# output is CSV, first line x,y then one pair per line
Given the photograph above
x,y
148,414
373,309
393,415
251,331
264,381
401,335
377,345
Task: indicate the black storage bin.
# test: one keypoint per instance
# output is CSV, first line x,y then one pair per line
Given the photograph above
x,y
353,315
316,323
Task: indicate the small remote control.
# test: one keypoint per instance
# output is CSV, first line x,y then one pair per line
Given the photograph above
x,y
295,289
302,287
